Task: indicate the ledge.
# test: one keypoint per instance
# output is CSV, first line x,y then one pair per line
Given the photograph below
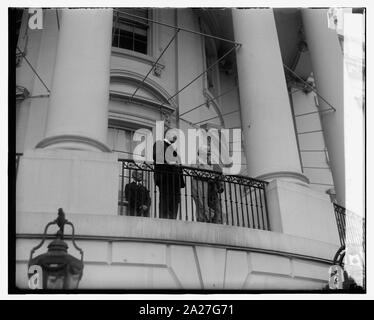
x,y
126,228
285,174
137,56
125,97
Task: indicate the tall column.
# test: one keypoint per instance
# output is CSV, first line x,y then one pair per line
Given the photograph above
x,y
78,110
327,62
269,135
63,172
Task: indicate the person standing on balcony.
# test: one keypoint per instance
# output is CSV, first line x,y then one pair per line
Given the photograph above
x,y
168,177
205,190
137,196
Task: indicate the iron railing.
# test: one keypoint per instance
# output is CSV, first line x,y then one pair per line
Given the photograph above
x,y
351,227
207,196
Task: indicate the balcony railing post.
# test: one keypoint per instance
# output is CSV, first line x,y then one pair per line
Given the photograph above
x,y
122,184
266,209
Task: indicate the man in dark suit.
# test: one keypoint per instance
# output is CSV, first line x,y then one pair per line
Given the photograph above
x,y
137,196
168,177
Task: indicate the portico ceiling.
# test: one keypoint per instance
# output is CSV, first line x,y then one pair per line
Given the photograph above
x,y
292,40
219,21
289,28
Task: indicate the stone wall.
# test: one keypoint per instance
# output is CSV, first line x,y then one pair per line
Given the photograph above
x,y
141,253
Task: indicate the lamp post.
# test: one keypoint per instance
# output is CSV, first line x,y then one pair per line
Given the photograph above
x,y
57,268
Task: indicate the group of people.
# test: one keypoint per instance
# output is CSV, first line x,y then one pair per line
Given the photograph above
x,y
168,177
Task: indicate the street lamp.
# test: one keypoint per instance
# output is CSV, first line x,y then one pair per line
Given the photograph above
x,y
58,269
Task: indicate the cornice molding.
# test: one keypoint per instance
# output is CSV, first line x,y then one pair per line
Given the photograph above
x,y
125,97
137,56
154,87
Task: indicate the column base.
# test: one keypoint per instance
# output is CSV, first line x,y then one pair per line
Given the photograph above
x,y
72,142
300,211
77,181
285,176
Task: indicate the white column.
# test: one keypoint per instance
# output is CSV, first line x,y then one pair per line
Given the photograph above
x,y
78,180
269,135
327,62
78,110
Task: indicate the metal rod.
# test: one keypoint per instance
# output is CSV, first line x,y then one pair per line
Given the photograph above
x,y
43,239
197,77
312,150
262,209
209,100
237,208
32,68
257,210
73,239
192,206
231,206
222,115
122,186
266,210
58,20
155,195
155,63
129,200
308,113
189,122
252,209
174,27
220,203
241,203
321,184
312,131
186,197
327,168
38,96
339,225
227,211
307,84
246,205
205,210
149,211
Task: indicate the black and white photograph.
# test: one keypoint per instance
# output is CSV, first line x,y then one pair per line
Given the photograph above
x,y
187,149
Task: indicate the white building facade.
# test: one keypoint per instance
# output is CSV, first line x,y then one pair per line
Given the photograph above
x,y
101,74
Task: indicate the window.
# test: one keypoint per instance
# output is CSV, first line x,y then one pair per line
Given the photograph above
x,y
121,141
212,74
131,32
